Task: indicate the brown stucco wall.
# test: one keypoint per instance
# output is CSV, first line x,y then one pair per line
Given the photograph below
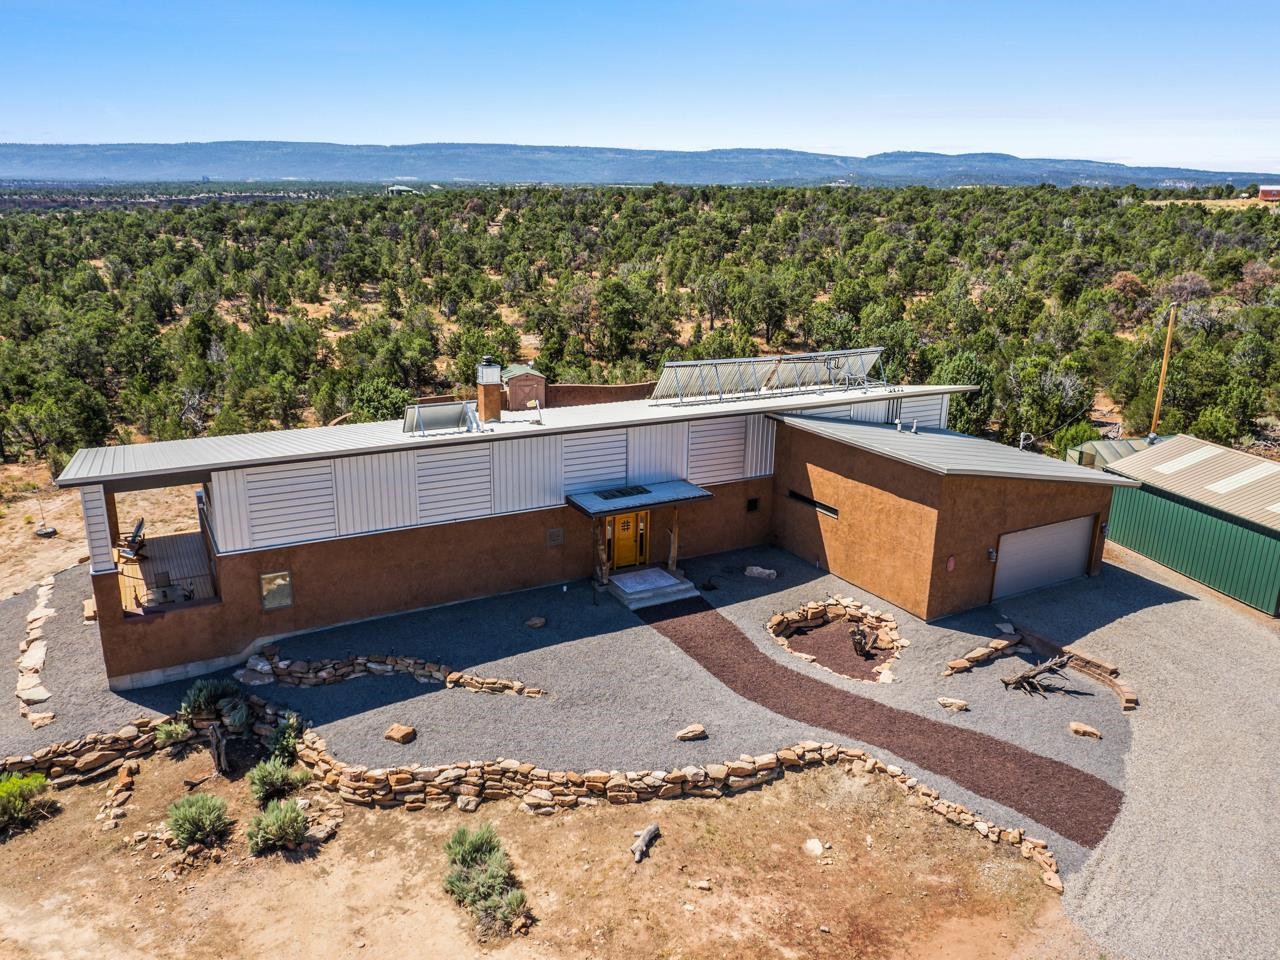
x,y
976,511
357,577
580,394
883,538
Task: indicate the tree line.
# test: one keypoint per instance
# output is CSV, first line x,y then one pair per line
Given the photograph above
x,y
226,317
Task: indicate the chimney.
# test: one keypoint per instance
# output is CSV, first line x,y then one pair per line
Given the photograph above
x,y
489,390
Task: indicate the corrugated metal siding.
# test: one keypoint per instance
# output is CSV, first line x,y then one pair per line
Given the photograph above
x,y
659,452
1230,558
1231,481
925,411
230,518
93,504
527,474
877,411
291,504
375,493
828,413
758,455
717,450
454,483
595,461
946,410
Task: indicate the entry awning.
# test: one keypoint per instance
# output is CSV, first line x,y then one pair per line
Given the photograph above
x,y
603,503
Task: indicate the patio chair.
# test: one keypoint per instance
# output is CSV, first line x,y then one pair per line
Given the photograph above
x,y
131,546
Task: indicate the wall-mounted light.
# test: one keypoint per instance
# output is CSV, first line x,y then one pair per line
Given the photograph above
x,y
1105,525
991,554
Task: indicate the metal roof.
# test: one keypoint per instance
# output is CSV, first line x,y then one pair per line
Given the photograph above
x,y
693,381
947,452
143,465
520,370
1231,481
1099,453
603,503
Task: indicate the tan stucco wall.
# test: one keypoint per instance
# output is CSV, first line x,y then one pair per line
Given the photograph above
x,y
883,538
976,511
341,580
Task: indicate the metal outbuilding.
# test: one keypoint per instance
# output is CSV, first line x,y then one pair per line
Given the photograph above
x,y
1207,511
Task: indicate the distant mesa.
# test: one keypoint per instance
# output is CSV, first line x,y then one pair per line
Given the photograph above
x,y
479,163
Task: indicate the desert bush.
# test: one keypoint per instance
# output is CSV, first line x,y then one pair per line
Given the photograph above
x,y
172,732
235,713
205,695
199,818
284,739
20,798
280,825
480,878
273,778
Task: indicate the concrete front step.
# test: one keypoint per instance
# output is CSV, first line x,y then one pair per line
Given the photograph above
x,y
636,600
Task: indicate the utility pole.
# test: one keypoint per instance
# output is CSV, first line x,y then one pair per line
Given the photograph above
x,y
1164,368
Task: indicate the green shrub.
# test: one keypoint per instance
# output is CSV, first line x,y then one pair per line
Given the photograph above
x,y
480,878
173,732
273,778
204,695
281,825
19,798
284,739
236,713
199,818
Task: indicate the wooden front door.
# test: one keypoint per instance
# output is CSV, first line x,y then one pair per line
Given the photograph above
x,y
629,537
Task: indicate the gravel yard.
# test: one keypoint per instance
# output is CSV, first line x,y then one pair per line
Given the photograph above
x,y
1189,867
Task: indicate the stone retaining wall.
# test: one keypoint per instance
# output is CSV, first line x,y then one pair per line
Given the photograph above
x,y
70,762
267,667
881,628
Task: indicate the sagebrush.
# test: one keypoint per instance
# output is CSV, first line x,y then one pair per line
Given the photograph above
x,y
172,732
273,778
199,818
480,878
283,744
204,696
20,798
281,826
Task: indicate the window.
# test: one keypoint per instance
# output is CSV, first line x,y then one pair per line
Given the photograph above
x,y
818,505
277,590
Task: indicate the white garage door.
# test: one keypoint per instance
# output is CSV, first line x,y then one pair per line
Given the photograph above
x,y
1042,555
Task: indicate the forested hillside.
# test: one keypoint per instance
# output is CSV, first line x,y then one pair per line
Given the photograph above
x,y
122,323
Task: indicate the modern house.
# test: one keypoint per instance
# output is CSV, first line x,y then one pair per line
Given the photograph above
x,y
1269,191
1207,511
301,529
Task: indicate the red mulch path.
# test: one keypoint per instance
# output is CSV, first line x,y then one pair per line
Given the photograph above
x,y
830,643
1075,804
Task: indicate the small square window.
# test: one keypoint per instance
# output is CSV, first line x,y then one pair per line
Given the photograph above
x,y
753,504
277,590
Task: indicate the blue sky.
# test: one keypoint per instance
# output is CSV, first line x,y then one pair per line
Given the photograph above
x,y
1188,84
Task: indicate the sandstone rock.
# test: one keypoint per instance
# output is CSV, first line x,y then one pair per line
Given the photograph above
x,y
762,573
534,623
1051,880
35,693
400,733
95,759
253,678
694,731
978,654
813,847
957,666
952,704
38,720
1006,628
33,660
258,663
467,804
1084,730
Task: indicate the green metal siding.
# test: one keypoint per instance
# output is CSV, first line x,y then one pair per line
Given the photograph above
x,y
1233,559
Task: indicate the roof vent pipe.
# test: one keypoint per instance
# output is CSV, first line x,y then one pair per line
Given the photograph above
x,y
898,423
913,427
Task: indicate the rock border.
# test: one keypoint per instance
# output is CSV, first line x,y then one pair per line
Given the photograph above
x,y
268,666
809,616
32,651
468,784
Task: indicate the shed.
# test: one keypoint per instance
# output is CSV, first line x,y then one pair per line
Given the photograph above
x,y
1207,511
523,385
1099,453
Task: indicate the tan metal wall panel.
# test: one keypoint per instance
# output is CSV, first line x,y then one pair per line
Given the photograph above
x,y
527,474
760,434
230,516
375,492
454,483
97,531
659,452
595,461
924,411
291,503
717,450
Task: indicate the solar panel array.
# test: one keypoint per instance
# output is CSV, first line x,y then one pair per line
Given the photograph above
x,y
709,381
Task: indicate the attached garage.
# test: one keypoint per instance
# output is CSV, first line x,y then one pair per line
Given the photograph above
x,y
1043,555
932,520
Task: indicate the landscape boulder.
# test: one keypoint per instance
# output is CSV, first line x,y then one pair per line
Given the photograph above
x,y
400,733
762,573
694,731
1084,730
952,704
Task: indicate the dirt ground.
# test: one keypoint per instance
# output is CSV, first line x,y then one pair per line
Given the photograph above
x,y
895,883
26,488
1229,203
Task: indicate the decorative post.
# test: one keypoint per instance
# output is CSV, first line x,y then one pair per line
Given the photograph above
x,y
675,539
